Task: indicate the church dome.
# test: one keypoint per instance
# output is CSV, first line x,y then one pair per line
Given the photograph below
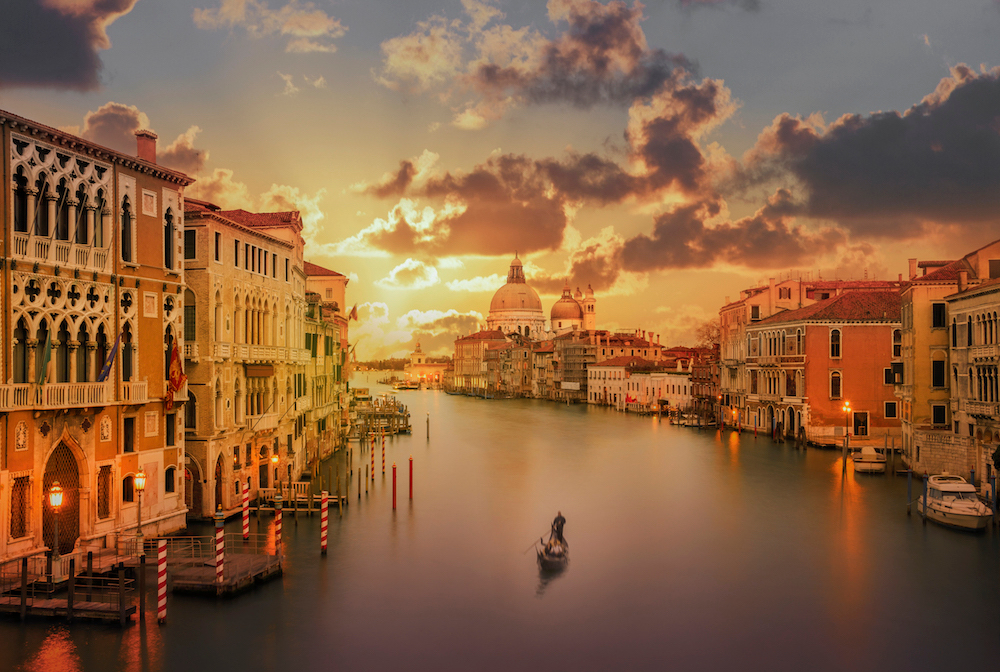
x,y
567,308
516,294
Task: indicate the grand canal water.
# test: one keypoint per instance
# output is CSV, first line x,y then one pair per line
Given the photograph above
x,y
690,551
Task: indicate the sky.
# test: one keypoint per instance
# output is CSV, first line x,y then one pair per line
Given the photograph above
x,y
668,154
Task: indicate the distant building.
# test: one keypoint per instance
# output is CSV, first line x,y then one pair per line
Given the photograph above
x,y
419,369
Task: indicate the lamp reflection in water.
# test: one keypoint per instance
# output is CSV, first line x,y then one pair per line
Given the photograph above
x,y
55,501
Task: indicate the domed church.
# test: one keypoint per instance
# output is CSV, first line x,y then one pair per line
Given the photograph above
x,y
573,312
516,308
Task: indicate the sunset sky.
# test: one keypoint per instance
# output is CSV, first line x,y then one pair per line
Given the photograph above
x,y
667,154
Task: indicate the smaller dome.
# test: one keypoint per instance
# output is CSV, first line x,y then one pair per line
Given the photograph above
x,y
567,308
590,292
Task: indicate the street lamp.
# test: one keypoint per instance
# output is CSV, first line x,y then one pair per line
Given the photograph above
x,y
55,501
274,461
140,485
846,408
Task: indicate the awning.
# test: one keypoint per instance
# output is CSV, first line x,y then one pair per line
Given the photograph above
x,y
259,370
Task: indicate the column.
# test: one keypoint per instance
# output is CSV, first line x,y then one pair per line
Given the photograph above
x,y
71,205
91,355
74,347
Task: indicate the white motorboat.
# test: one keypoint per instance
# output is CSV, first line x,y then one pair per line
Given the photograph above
x,y
953,502
867,460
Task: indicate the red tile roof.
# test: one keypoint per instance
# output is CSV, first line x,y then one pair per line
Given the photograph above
x,y
871,306
265,219
484,335
313,270
948,273
625,361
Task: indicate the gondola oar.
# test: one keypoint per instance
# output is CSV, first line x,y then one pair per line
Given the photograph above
x,y
533,544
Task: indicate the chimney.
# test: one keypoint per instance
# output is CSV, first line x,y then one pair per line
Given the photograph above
x,y
963,280
900,277
913,268
145,145
727,301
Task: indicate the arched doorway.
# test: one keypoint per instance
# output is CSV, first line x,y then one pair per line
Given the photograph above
x,y
790,430
770,419
62,467
218,482
193,489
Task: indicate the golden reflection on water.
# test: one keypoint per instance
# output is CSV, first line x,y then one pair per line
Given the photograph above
x,y
142,647
849,555
56,654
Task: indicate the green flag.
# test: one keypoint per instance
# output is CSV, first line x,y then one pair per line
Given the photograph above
x,y
46,356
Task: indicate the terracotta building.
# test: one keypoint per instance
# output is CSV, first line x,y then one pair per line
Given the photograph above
x,y
94,309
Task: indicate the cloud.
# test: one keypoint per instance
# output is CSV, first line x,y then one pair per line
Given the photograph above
x,y
892,174
489,283
220,188
411,274
307,28
182,155
114,125
55,43
290,88
600,56
317,83
378,337
747,5
281,197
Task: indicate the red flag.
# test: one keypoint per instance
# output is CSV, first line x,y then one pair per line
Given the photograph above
x,y
354,313
176,376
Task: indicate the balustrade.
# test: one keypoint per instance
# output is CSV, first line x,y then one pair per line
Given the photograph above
x,y
54,395
135,392
984,352
59,252
190,350
985,408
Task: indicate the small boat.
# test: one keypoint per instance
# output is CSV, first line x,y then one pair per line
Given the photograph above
x,y
867,460
554,555
953,502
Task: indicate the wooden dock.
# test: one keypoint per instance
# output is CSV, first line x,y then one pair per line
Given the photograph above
x,y
240,571
59,607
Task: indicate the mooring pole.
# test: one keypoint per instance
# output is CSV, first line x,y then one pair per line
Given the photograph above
x,y
323,508
393,486
411,476
161,581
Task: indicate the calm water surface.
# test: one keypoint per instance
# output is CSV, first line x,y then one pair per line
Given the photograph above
x,y
690,551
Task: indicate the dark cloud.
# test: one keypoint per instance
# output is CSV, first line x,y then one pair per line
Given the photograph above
x,y
891,173
114,125
394,184
681,238
182,155
54,43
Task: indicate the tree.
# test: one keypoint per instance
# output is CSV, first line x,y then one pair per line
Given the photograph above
x,y
708,334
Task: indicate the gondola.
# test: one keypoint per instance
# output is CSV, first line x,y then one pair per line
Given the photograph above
x,y
553,555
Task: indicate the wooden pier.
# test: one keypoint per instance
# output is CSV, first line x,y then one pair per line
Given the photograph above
x,y
382,414
241,571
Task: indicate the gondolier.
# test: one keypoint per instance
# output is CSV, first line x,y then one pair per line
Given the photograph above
x,y
557,526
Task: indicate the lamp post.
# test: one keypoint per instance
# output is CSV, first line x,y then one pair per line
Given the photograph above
x,y
846,408
55,501
274,463
140,485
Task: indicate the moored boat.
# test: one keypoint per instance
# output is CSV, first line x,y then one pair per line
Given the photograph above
x,y
951,501
867,460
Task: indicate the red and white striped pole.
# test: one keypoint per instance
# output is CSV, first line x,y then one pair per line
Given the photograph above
x,y
411,476
277,524
323,518
220,545
393,486
161,581
373,457
246,511
383,452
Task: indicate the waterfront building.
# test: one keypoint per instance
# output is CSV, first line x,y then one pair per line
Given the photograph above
x,y
516,308
421,369
246,354
542,373
759,303
94,309
470,376
930,440
331,287
639,385
705,383
975,383
323,409
804,364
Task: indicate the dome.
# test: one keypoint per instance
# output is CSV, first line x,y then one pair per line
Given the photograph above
x,y
516,294
567,308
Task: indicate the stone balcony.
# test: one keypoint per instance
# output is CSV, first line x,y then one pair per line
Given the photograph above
x,y
45,250
983,352
262,422
135,392
191,351
55,395
987,409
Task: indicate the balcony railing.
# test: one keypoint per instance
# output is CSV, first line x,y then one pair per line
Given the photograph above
x,y
262,422
135,392
984,408
191,351
222,350
59,252
983,352
54,395
262,353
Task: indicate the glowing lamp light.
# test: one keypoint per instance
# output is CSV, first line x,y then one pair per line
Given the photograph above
x,y
56,496
140,481
274,459
847,407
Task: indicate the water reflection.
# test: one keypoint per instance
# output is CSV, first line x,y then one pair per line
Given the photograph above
x,y
56,654
547,576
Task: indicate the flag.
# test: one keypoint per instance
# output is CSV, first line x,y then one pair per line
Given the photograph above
x,y
43,370
354,313
109,362
176,376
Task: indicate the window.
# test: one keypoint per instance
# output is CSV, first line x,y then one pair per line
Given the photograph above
x,y
126,237
19,507
248,459
168,239
835,343
887,377
236,457
171,428
20,201
236,253
189,245
891,410
286,270
954,334
246,256
968,330
897,343
937,373
168,479
939,414
835,385
754,312
104,492
329,293
128,489
784,292
938,316
218,246
128,435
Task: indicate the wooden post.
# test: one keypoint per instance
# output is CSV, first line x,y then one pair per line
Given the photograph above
x,y
90,576
925,498
161,581
121,596
70,589
393,486
24,588
142,586
909,490
411,476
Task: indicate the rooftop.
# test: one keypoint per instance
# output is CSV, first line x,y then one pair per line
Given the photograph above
x,y
873,306
314,270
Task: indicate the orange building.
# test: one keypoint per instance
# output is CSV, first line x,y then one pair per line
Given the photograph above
x,y
804,365
95,320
